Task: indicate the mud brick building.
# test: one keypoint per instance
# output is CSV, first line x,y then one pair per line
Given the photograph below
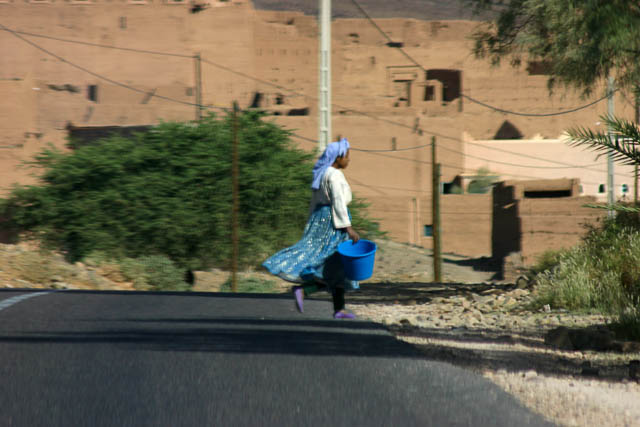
x,y
56,75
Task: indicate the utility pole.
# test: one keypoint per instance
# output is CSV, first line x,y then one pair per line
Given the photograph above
x,y
435,213
635,169
324,60
610,181
236,206
198,73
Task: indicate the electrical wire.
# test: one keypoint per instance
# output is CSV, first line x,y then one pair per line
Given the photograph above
x,y
107,79
151,52
527,166
501,110
19,33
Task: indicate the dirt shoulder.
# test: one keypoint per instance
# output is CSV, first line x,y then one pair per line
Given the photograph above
x,y
469,320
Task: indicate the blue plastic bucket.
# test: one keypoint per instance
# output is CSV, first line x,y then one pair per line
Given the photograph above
x,y
358,258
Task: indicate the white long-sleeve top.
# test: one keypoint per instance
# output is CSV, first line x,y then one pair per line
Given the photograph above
x,y
335,191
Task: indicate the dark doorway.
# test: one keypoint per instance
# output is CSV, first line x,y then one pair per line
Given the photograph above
x,y
506,229
451,82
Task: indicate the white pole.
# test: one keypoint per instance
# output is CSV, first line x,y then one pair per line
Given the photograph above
x,y
610,181
324,97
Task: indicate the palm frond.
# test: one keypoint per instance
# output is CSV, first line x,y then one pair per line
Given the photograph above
x,y
614,207
623,146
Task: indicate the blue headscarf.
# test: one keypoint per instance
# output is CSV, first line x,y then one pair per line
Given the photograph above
x,y
331,153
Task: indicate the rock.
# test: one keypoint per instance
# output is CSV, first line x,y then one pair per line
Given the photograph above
x,y
559,338
634,370
492,292
627,346
589,371
599,339
522,282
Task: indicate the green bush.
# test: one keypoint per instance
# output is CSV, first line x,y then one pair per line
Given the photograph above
x,y
601,274
483,182
548,260
168,192
154,272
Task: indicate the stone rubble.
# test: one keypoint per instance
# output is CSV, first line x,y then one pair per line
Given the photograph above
x,y
494,333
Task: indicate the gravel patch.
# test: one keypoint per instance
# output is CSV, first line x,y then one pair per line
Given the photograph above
x,y
490,332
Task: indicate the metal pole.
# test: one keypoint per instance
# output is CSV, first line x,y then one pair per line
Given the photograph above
x,y
610,181
435,213
635,169
235,208
324,96
198,72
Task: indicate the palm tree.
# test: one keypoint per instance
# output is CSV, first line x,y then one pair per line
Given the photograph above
x,y
623,142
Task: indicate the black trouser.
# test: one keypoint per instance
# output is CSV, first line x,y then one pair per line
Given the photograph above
x,y
338,294
338,299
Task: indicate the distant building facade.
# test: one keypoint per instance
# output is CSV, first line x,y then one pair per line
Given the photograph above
x,y
268,60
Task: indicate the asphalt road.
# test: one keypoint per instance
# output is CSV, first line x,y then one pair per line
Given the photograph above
x,y
159,359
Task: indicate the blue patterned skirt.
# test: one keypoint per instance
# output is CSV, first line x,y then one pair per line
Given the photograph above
x,y
315,256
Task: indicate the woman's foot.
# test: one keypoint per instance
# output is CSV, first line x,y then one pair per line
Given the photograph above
x,y
343,315
298,295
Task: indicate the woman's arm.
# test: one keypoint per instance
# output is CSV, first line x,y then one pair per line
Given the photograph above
x,y
340,195
353,235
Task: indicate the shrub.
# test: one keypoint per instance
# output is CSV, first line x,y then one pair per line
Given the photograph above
x,y
546,261
601,273
168,192
154,272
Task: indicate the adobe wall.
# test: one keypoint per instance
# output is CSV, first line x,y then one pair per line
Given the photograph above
x,y
530,226
548,159
382,101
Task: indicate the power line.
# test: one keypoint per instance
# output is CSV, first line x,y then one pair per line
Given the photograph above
x,y
515,113
524,166
375,153
17,34
151,52
501,110
107,79
564,165
240,73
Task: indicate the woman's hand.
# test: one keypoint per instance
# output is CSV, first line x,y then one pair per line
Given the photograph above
x,y
352,234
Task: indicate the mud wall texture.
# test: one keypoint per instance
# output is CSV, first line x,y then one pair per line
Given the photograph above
x,y
268,60
532,225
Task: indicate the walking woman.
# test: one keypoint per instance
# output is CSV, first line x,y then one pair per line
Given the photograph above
x,y
314,261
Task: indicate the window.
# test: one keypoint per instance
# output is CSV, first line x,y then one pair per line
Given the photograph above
x,y
428,230
451,82
602,188
92,93
625,188
429,93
